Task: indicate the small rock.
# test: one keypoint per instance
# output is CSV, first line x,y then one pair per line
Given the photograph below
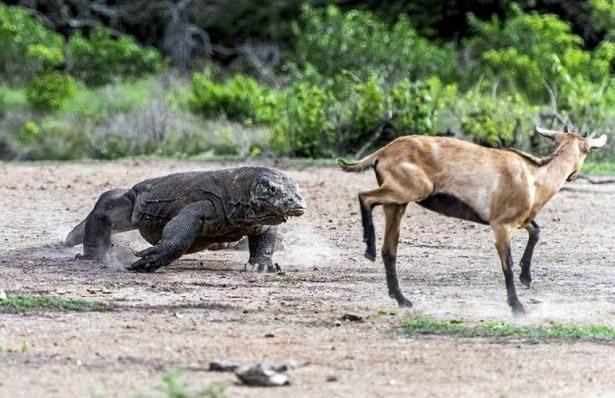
x,y
269,335
331,379
351,318
534,301
338,323
222,366
262,375
2,294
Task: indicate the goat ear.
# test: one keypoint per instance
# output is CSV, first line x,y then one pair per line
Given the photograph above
x,y
593,143
551,134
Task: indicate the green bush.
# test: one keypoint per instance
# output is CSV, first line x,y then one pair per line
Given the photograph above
x,y
97,103
333,41
495,120
49,90
309,125
530,52
22,38
50,140
240,98
100,58
416,105
587,104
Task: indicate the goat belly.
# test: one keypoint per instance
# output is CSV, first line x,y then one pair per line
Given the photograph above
x,y
451,206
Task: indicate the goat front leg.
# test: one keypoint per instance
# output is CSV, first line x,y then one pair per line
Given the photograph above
x,y
393,215
502,244
526,261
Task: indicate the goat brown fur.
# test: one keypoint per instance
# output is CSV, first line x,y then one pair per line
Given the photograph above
x,y
502,188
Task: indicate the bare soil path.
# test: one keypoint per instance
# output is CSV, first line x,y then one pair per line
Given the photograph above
x,y
205,307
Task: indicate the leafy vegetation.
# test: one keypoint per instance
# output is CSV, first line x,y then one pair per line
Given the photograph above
x,y
332,41
29,303
348,79
49,90
100,58
427,325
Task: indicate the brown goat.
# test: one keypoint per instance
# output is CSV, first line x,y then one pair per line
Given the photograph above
x,y
498,187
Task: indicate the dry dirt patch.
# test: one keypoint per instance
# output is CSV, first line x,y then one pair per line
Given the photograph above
x,y
205,307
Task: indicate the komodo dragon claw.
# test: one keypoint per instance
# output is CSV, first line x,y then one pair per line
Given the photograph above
x,y
151,259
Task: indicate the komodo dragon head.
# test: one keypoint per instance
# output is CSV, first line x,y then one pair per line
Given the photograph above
x,y
275,197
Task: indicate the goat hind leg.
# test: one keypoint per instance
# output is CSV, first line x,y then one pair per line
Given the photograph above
x,y
526,261
393,215
370,199
502,244
369,234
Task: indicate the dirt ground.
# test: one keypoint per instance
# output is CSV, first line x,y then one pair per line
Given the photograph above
x,y
205,307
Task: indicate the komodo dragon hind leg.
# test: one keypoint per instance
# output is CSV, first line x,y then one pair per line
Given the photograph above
x,y
261,250
111,213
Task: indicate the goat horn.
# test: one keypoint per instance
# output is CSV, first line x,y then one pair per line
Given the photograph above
x,y
596,142
547,133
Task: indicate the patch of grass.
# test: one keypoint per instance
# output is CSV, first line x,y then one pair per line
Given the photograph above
x,y
427,325
14,97
284,277
175,387
604,168
30,303
99,102
23,349
382,312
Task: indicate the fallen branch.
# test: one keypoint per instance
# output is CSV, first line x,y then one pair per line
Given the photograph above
x,y
594,181
582,190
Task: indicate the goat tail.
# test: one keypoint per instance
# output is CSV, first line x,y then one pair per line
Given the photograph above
x,y
361,165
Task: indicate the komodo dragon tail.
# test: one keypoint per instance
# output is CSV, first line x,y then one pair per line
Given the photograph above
x,y
361,165
75,237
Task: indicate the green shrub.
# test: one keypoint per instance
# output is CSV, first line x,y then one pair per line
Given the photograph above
x,y
240,98
416,105
22,39
50,140
100,58
46,56
370,110
309,125
493,120
97,103
332,41
49,90
529,52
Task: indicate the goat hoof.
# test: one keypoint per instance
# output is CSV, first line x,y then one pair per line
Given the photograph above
x,y
404,302
525,280
370,255
518,310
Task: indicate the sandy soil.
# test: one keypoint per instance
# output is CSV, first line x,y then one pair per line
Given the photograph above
x,y
205,307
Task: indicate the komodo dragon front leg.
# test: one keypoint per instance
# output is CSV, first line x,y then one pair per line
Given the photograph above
x,y
178,236
261,249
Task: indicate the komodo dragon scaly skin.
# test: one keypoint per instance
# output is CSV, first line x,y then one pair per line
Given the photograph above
x,y
189,212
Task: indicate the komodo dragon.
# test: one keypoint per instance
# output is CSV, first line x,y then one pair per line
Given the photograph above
x,y
193,211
